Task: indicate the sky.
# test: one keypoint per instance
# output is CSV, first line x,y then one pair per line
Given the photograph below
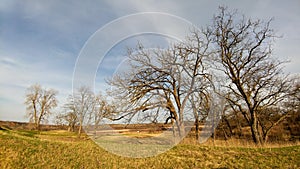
x,y
57,42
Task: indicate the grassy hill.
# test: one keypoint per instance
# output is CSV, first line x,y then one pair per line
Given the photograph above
x,y
62,149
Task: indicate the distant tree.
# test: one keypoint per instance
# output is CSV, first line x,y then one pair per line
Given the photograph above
x,y
255,85
69,118
40,102
293,105
79,106
102,109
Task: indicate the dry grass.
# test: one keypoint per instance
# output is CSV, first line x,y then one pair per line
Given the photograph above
x,y
61,149
244,143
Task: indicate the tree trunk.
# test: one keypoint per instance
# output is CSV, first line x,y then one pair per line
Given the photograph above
x,y
178,126
39,120
214,136
182,130
173,128
213,129
265,138
197,128
228,125
225,134
35,115
239,128
79,130
254,129
37,126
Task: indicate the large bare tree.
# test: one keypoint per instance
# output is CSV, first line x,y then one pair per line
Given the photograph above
x,y
164,79
255,84
40,102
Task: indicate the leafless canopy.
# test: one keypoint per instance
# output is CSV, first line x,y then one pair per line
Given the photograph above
x,y
164,79
255,83
86,109
180,78
81,104
40,103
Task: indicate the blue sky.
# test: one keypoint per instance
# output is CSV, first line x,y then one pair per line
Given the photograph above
x,y
40,40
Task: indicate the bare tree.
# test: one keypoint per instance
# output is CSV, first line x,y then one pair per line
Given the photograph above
x,y
80,105
164,79
40,103
200,103
102,109
293,106
255,83
69,118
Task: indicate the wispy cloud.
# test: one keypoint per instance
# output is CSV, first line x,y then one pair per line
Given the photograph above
x,y
40,40
8,62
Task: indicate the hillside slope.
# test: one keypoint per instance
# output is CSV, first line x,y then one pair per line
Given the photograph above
x,y
62,149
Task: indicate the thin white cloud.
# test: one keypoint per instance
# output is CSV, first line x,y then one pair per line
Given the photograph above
x,y
8,62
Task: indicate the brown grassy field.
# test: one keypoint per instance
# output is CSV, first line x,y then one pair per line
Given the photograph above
x,y
63,149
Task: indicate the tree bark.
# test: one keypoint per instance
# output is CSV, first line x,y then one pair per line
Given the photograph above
x,y
79,130
197,128
254,129
228,124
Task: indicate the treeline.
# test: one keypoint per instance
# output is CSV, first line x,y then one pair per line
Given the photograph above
x,y
82,107
224,74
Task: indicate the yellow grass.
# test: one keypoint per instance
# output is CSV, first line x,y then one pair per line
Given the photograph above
x,y
62,149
